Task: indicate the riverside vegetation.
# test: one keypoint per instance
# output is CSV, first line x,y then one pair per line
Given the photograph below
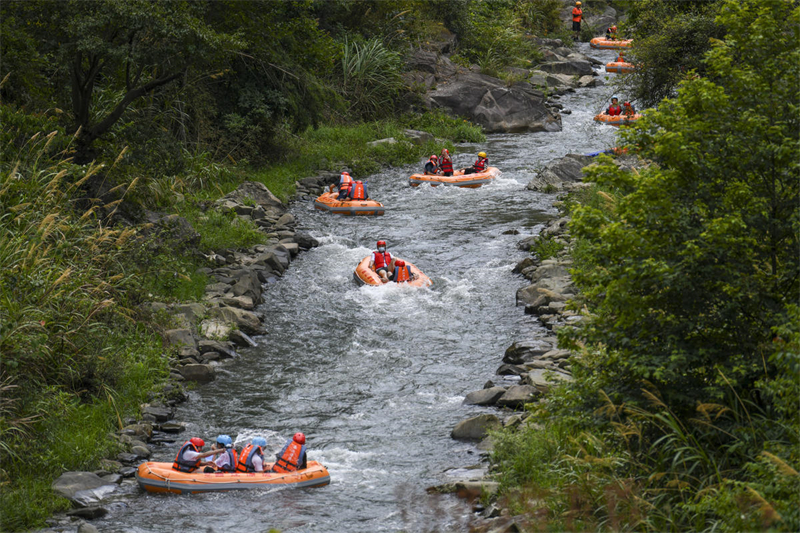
x,y
111,110
683,412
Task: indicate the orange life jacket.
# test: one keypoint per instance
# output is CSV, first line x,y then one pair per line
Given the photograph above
x,y
576,14
402,273
357,192
245,462
232,460
345,182
289,458
182,465
381,260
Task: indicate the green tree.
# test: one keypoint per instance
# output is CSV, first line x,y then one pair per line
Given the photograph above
x,y
698,259
670,40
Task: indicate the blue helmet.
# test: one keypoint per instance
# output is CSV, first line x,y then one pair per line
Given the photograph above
x,y
225,440
259,441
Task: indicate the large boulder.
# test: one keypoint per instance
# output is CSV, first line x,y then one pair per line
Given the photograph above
x,y
487,101
600,21
557,173
475,428
175,338
525,350
170,231
198,373
536,296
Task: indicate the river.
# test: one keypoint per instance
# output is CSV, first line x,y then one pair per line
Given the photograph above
x,y
375,377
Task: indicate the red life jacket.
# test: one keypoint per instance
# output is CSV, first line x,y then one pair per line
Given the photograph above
x,y
576,14
615,110
381,260
289,458
446,165
182,465
480,164
358,191
245,462
402,273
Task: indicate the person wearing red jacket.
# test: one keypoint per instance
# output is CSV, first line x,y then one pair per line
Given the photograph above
x,y
382,262
614,109
445,163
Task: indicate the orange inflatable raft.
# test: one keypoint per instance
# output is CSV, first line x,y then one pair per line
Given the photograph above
x,y
617,120
327,202
601,43
459,179
364,275
160,477
620,67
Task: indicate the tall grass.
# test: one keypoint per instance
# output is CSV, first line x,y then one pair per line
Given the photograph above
x,y
370,77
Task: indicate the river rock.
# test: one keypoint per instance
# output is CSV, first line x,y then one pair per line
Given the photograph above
x,y
270,260
497,108
141,431
215,329
517,396
305,241
191,311
86,527
127,471
242,302
256,192
511,370
225,349
173,428
88,513
475,428
141,451
244,320
292,247
241,338
170,231
198,373
557,173
523,351
178,337
488,488
599,22
484,396
535,296
418,137
542,380
551,270
83,488
159,414
569,68
590,81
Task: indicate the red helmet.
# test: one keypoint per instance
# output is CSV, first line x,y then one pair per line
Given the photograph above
x,y
299,438
434,158
400,263
627,104
197,442
381,243
345,173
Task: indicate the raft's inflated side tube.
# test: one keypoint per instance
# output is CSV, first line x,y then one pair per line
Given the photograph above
x,y
616,120
160,477
327,202
601,43
620,67
364,275
459,179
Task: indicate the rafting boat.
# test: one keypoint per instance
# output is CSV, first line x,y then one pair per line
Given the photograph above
x,y
327,202
601,43
616,120
620,67
364,275
160,477
459,179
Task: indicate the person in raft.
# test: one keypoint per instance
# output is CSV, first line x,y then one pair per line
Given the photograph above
x,y
293,455
577,15
190,455
445,163
611,33
614,109
480,164
628,109
252,457
345,183
432,166
358,191
382,262
620,58
224,456
402,272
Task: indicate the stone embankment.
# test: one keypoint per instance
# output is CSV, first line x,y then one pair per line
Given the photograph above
x,y
518,103
207,336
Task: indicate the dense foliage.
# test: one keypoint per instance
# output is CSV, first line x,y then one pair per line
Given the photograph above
x,y
683,414
672,37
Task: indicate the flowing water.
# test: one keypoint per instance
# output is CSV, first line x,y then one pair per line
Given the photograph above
x,y
375,377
